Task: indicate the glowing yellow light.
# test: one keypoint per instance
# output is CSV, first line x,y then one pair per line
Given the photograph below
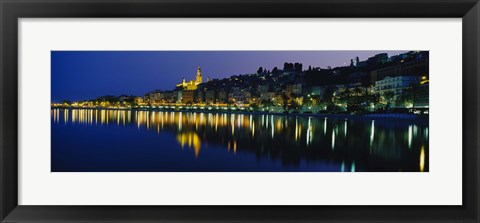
x,y
422,158
253,130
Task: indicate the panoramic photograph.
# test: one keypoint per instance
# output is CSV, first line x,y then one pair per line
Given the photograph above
x,y
240,111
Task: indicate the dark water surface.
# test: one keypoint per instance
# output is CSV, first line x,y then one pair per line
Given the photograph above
x,y
95,140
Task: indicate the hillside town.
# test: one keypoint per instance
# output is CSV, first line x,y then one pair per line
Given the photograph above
x,y
381,83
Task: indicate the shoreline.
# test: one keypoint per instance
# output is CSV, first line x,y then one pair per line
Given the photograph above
x,y
366,116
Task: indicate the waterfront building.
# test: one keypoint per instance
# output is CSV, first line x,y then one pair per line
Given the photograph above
x,y
165,97
155,96
396,85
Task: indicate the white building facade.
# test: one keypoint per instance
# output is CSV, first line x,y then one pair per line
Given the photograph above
x,y
396,85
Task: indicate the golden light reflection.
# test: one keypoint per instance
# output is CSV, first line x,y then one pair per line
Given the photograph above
x,y
65,116
253,130
210,117
74,115
118,118
422,158
107,117
298,130
147,117
190,139
238,120
193,128
279,126
186,122
180,120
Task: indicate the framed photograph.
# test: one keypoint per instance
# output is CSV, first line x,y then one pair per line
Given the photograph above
x,y
265,111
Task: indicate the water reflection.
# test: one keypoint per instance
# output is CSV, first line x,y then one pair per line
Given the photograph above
x,y
191,140
359,145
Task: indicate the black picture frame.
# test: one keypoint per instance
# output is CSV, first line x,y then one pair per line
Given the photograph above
x,y
12,10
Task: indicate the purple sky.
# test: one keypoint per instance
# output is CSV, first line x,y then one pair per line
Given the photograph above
x,y
80,75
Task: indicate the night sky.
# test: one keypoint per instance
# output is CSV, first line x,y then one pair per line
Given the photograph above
x,y
78,75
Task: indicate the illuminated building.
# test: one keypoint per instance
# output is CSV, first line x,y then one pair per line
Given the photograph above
x,y
192,84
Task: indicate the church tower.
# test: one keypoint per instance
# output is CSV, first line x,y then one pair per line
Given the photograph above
x,y
199,76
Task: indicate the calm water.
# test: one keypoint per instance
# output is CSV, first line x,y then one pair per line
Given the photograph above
x,y
90,140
